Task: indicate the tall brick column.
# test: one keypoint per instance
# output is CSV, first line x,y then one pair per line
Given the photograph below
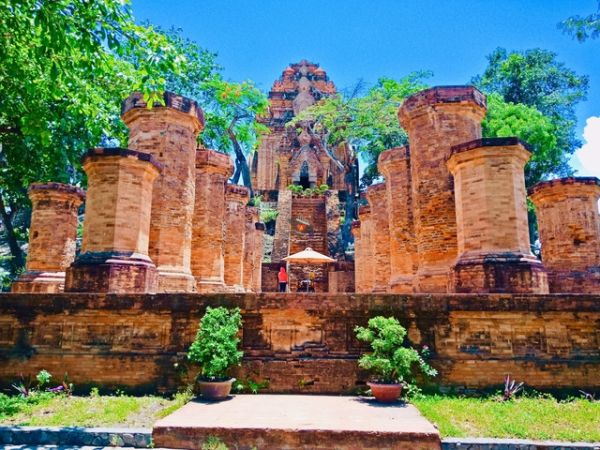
x,y
169,134
236,198
394,165
364,266
380,237
491,215
52,237
251,218
437,119
569,226
212,171
358,254
114,252
259,241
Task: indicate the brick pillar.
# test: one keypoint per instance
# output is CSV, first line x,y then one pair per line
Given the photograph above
x,y
363,257
569,226
380,237
358,254
259,240
251,217
491,216
212,171
169,134
394,165
437,119
52,237
236,198
114,252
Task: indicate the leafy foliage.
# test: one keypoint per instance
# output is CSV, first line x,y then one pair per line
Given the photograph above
x,y
308,192
582,28
215,348
66,66
535,78
530,125
390,360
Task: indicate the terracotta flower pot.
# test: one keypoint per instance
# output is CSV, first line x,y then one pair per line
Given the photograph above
x,y
385,393
215,390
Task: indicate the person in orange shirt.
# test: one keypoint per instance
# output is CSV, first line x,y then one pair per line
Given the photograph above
x,y
282,276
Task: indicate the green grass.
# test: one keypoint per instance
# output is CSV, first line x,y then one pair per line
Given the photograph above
x,y
542,418
90,411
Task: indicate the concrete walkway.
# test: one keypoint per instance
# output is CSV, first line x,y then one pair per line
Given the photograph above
x,y
297,422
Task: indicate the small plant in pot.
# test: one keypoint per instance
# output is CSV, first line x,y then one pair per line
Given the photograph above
x,y
215,349
392,364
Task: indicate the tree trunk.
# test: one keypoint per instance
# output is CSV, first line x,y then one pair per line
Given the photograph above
x,y
241,164
18,257
350,179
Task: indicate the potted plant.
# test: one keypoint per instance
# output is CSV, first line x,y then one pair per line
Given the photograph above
x,y
390,361
215,349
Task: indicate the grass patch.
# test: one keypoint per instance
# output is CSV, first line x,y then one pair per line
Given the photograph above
x,y
541,417
90,411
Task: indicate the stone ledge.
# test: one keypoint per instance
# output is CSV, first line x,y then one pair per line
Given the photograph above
x,y
513,444
171,100
123,152
591,181
76,436
57,187
489,142
441,95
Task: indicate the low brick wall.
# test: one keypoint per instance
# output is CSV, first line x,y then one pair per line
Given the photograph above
x,y
301,343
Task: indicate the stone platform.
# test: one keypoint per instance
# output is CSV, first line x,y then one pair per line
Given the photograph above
x,y
297,422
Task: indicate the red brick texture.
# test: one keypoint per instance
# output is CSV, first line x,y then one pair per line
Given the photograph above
x,y
169,134
491,216
569,226
437,119
114,252
301,343
394,164
52,237
236,198
207,264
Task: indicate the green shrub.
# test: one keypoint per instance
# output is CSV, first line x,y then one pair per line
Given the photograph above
x,y
215,348
268,215
390,361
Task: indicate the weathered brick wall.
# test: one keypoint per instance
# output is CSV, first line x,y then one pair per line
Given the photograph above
x,y
212,170
380,237
394,164
569,225
308,229
363,250
169,134
114,251
269,281
435,120
302,343
236,198
52,237
491,214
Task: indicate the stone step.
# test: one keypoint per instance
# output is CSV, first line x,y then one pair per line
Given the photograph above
x,y
296,422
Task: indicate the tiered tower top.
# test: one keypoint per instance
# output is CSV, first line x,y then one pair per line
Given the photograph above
x,y
300,85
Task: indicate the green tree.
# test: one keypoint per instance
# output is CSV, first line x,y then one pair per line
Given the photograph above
x,y
527,123
537,79
65,66
582,28
232,110
360,125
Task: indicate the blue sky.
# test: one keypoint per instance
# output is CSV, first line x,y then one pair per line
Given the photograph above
x,y
352,40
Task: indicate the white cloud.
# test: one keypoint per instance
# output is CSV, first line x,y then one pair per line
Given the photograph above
x,y
587,158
